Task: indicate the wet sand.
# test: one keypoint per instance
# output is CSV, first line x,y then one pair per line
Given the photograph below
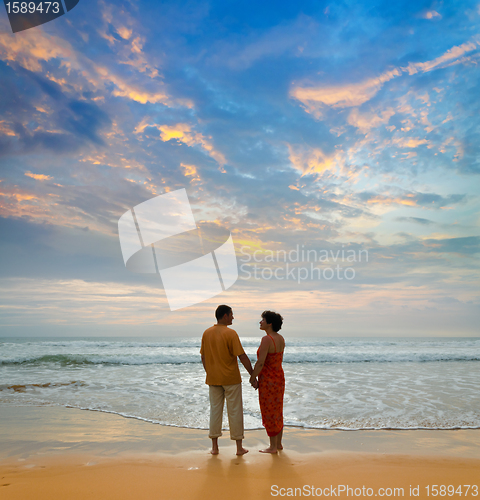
x,y
56,452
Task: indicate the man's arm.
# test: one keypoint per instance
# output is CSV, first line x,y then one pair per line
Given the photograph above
x,y
246,363
203,362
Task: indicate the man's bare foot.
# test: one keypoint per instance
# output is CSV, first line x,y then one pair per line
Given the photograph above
x,y
214,451
268,450
242,451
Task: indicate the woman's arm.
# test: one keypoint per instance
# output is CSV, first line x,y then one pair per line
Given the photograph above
x,y
262,354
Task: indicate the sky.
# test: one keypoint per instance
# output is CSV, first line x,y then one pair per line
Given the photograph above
x,y
346,130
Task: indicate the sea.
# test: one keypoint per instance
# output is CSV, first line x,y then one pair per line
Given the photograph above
x,y
331,383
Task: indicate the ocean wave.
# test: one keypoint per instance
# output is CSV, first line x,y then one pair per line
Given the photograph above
x,y
332,425
103,344
294,358
94,359
254,341
353,425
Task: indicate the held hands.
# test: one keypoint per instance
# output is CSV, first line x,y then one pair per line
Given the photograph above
x,y
254,383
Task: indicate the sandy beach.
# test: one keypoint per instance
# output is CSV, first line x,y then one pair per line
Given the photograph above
x,y
56,452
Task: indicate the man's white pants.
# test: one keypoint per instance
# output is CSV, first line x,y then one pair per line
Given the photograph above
x,y
233,395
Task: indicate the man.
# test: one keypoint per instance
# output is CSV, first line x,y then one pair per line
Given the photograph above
x,y
220,349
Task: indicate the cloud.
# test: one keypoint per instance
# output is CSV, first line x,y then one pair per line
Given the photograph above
x,y
182,132
135,57
190,171
86,120
463,246
67,126
416,220
430,14
39,177
52,302
57,143
133,91
124,32
426,200
5,129
450,56
83,196
18,195
380,199
310,160
316,98
368,120
409,142
289,180
30,50
276,41
341,96
50,86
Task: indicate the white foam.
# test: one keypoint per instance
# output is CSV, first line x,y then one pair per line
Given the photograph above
x,y
334,383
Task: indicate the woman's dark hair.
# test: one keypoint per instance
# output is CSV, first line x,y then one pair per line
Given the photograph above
x,y
221,311
274,319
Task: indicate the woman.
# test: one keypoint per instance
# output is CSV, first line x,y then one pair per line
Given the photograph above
x,y
271,381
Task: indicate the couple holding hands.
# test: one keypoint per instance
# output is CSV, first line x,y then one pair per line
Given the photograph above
x,y
220,349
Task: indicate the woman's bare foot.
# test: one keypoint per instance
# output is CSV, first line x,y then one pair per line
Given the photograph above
x,y
268,450
279,447
241,451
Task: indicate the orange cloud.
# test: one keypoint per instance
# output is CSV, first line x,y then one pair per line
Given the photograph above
x,y
30,49
449,56
113,160
39,177
431,14
133,92
190,171
409,142
58,301
366,121
133,56
385,200
342,96
124,32
19,196
129,48
182,132
314,99
5,129
45,208
452,142
310,160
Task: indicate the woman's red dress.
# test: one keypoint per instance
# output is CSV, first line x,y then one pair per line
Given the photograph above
x,y
271,386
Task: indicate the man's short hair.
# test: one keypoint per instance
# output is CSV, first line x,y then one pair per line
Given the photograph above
x,y
274,319
221,311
